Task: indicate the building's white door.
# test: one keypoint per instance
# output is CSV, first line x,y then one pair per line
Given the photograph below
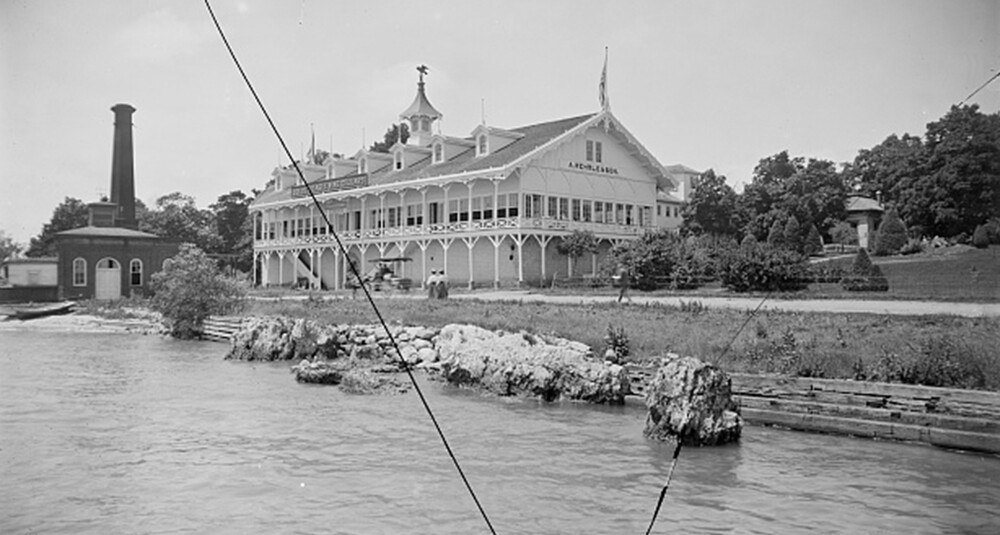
x,y
108,279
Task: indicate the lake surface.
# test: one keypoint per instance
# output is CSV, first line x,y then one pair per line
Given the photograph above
x,y
139,434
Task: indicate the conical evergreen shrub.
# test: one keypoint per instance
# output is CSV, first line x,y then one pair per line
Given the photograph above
x,y
813,244
865,276
891,234
776,236
793,235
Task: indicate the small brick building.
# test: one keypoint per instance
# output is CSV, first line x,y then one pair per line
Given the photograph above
x,y
110,257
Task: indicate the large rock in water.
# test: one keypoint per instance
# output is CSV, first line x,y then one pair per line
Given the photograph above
x,y
524,364
691,400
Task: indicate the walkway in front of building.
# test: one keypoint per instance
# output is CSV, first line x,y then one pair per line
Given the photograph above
x,y
841,306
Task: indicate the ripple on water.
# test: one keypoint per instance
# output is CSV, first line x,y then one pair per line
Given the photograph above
x,y
142,434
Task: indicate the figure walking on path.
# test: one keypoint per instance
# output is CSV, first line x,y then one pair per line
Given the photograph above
x,y
442,285
623,278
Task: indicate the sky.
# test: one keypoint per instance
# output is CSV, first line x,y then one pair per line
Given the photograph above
x,y
707,84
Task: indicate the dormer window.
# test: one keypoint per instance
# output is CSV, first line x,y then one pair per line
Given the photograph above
x,y
594,151
438,152
397,160
363,165
481,145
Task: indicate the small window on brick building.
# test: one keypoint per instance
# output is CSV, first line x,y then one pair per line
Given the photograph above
x,y
79,272
135,272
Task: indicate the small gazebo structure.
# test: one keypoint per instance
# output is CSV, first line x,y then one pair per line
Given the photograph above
x,y
864,214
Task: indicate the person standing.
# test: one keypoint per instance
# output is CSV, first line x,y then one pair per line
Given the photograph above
x,y
442,286
432,284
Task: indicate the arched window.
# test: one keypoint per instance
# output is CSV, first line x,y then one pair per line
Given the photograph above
x,y
481,145
438,153
398,159
79,272
362,165
135,272
425,124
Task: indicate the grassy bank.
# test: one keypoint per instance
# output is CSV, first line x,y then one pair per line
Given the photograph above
x,y
942,351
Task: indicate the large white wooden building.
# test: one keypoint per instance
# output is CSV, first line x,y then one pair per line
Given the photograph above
x,y
488,208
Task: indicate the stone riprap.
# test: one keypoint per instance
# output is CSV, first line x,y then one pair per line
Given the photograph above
x,y
360,358
691,400
523,364
278,338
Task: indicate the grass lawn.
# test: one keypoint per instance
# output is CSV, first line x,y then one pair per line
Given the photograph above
x,y
959,273
945,351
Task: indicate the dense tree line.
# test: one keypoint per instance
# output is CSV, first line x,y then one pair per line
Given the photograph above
x,y
946,183
223,230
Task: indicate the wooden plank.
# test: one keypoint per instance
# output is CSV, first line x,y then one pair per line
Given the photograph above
x,y
948,438
933,420
742,380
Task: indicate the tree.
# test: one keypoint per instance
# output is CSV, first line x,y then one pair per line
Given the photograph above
x,y
814,243
8,247
962,186
844,234
711,208
231,214
792,235
391,136
812,191
878,172
776,236
70,214
891,234
176,217
576,244
190,289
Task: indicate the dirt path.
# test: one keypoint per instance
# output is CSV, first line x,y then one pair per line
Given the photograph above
x,y
895,308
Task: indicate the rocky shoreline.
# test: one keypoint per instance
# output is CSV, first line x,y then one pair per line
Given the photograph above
x,y
689,400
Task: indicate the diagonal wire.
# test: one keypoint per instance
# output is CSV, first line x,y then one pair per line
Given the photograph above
x,y
980,88
356,273
687,421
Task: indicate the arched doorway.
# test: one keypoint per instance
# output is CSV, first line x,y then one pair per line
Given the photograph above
x,y
108,279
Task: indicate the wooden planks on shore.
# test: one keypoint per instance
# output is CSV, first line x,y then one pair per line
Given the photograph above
x,y
945,417
221,328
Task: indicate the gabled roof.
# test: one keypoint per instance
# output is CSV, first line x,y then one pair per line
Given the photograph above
x,y
533,141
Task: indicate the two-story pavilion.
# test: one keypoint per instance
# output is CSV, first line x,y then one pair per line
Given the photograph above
x,y
489,209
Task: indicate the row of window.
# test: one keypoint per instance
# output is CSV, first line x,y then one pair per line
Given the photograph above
x,y
594,153
80,270
482,208
663,210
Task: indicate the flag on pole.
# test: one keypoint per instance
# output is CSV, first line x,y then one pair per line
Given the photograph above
x,y
602,90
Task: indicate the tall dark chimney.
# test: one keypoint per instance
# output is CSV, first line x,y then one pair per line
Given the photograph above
x,y
122,171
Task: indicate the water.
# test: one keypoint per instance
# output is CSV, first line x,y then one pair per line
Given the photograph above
x,y
137,434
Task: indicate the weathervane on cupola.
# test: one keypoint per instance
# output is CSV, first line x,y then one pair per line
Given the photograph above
x,y
421,114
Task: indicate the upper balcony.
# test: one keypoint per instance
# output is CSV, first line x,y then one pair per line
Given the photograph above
x,y
454,229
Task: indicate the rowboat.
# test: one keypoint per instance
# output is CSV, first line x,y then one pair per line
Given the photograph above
x,y
28,312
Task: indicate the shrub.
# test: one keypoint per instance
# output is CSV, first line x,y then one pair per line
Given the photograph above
x,y
814,243
793,235
190,289
616,345
993,230
844,234
763,268
980,238
864,276
913,246
891,234
776,236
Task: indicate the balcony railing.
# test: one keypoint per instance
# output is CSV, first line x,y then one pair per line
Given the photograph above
x,y
459,227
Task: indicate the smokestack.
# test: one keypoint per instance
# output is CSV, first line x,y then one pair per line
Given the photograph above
x,y
122,172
